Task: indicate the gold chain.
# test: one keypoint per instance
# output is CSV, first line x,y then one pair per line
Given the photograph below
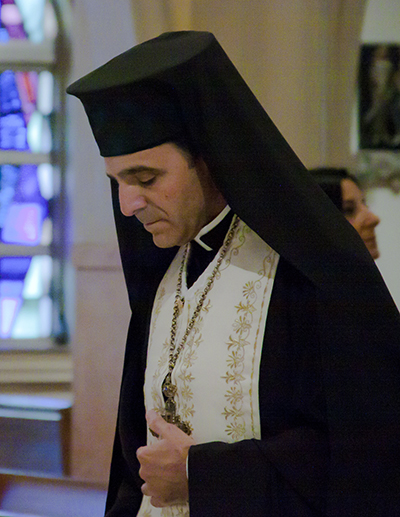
x,y
168,388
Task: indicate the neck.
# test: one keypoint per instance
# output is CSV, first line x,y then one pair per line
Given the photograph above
x,y
212,224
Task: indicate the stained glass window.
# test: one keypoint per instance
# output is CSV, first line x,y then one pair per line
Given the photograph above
x,y
30,261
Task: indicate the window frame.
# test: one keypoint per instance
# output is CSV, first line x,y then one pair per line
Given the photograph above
x,y
51,55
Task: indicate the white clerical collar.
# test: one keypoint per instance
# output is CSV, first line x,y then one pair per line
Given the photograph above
x,y
215,222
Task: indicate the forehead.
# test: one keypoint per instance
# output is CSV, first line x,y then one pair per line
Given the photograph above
x,y
350,190
162,157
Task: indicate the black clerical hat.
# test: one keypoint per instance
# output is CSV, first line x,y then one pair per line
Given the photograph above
x,y
129,104
182,86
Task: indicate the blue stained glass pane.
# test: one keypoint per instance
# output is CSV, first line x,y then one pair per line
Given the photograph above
x,y
11,19
4,37
14,268
28,185
26,105
24,19
8,182
13,133
9,97
23,209
23,224
26,102
11,288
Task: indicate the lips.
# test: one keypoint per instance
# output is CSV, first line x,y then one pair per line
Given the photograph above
x,y
149,225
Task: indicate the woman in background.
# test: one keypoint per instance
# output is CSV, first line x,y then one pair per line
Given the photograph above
x,y
345,192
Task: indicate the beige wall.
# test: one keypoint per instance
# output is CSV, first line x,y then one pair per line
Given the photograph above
x,y
298,56
101,29
101,327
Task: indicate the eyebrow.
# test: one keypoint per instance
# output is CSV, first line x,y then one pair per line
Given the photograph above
x,y
134,170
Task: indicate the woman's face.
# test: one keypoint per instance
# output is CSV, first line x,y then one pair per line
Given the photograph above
x,y
359,215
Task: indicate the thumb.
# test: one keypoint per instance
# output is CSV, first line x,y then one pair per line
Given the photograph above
x,y
156,423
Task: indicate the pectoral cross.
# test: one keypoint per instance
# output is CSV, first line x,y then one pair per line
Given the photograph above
x,y
169,414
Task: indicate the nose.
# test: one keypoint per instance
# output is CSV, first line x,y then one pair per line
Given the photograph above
x,y
131,200
372,219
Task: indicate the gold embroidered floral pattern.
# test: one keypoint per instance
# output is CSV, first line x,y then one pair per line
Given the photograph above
x,y
159,302
233,412
237,243
231,336
223,405
237,343
156,395
146,510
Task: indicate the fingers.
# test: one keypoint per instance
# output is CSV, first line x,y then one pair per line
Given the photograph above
x,y
157,425
145,489
156,499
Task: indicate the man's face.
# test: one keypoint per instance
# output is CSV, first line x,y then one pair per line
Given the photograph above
x,y
171,196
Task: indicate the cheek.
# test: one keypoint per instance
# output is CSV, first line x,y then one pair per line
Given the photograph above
x,y
169,197
175,203
354,222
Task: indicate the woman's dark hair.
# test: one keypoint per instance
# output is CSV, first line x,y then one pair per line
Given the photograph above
x,y
329,179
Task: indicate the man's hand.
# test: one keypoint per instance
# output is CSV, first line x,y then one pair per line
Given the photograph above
x,y
163,464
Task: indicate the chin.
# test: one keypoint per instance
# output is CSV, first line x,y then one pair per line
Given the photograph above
x,y
375,253
162,241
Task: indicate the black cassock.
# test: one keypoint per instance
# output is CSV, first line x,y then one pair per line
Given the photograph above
x,y
252,477
308,462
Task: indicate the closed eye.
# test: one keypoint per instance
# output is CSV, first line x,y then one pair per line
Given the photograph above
x,y
349,209
141,175
146,182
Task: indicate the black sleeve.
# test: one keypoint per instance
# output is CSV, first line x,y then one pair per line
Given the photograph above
x,y
282,476
330,416
284,473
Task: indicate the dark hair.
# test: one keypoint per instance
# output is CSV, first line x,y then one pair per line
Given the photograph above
x,y
329,179
187,149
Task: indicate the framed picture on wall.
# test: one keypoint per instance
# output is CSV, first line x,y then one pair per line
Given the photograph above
x,y
379,96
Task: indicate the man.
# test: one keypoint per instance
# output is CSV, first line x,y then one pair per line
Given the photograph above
x,y
262,333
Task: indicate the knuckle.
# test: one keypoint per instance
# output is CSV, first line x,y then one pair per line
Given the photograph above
x,y
140,453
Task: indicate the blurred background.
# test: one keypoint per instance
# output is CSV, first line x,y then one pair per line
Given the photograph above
x,y
322,69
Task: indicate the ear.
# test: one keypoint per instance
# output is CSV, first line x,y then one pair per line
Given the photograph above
x,y
202,168
212,192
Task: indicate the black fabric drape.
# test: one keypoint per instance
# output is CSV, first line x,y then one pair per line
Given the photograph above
x,y
355,337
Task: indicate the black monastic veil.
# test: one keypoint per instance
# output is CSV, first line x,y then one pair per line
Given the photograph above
x,y
355,324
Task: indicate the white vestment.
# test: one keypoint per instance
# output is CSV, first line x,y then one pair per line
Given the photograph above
x,y
217,371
